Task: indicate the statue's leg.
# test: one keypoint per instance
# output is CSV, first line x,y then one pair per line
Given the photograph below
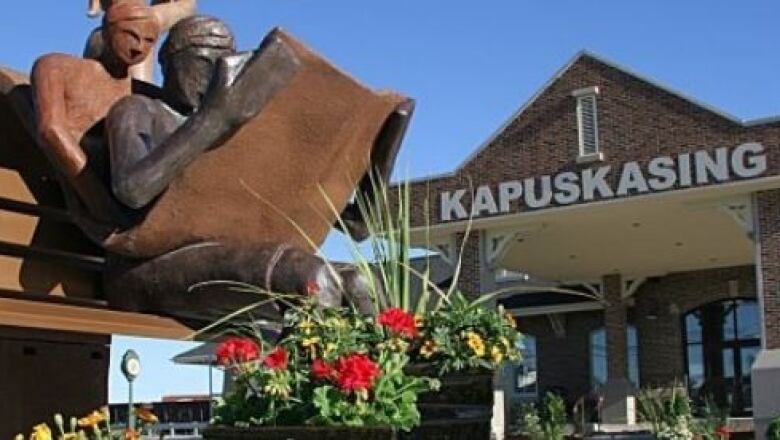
x,y
173,283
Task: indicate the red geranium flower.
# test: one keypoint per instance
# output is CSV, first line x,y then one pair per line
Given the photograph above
x,y
399,322
322,370
237,350
356,372
277,359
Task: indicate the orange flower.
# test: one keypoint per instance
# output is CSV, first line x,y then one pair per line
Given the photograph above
x,y
92,420
146,415
132,435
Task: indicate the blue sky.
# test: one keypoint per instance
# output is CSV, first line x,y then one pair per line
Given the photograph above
x,y
469,65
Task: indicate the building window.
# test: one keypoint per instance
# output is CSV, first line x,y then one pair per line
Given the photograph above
x,y
527,382
588,124
722,340
598,357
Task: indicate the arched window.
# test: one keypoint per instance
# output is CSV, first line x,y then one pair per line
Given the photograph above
x,y
598,357
527,385
722,340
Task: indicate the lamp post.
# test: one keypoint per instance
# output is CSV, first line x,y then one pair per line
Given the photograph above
x,y
131,368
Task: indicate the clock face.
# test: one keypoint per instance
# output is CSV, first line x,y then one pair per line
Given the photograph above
x,y
133,367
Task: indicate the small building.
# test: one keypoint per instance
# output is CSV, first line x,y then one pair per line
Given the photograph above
x,y
636,233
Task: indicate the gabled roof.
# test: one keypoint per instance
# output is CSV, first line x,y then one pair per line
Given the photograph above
x,y
574,60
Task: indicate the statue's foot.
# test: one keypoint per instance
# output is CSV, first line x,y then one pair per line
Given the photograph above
x,y
360,289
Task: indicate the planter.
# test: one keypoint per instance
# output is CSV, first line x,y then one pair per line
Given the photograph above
x,y
462,388
435,430
461,410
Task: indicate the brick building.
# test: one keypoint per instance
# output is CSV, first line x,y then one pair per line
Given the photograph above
x,y
636,232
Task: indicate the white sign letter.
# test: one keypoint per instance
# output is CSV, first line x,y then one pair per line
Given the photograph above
x,y
530,193
507,193
706,166
567,188
631,179
684,165
450,204
591,182
483,201
748,160
663,172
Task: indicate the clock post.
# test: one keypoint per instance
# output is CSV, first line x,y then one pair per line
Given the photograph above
x,y
131,368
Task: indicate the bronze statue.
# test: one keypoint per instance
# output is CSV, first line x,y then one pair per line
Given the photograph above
x,y
234,171
166,12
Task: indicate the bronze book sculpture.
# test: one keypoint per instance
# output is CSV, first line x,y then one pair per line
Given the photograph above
x,y
231,171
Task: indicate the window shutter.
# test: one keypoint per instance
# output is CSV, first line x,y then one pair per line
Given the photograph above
x,y
587,122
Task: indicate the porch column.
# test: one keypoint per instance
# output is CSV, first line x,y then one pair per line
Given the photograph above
x,y
766,369
618,392
471,263
476,278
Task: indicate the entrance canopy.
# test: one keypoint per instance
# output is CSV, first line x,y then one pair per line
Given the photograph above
x,y
644,236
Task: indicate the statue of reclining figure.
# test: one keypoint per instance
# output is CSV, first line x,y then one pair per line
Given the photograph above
x,y
225,179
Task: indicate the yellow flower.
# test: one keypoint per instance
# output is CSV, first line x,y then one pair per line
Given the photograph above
x,y
428,349
69,436
496,354
19,437
399,345
330,348
306,326
510,319
336,323
476,343
92,420
506,343
311,342
145,415
419,321
41,432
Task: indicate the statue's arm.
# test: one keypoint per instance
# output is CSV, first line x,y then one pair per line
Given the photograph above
x,y
170,12
232,100
49,79
142,167
48,84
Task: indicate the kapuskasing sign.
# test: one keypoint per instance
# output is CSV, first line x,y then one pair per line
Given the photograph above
x,y
662,173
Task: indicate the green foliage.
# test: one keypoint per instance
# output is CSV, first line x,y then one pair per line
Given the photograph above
x,y
667,412
296,395
463,335
546,422
394,400
713,423
773,431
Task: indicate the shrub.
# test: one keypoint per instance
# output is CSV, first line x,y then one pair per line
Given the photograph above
x,y
546,422
773,431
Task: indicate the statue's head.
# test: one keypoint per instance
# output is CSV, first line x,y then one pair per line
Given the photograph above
x,y
130,31
189,56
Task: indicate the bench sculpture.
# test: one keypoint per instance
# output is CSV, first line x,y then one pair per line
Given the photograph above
x,y
230,171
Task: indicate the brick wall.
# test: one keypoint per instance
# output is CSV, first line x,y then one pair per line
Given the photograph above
x,y
768,219
615,324
637,121
470,272
661,356
565,362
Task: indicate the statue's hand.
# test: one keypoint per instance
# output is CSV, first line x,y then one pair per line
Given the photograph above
x,y
243,84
